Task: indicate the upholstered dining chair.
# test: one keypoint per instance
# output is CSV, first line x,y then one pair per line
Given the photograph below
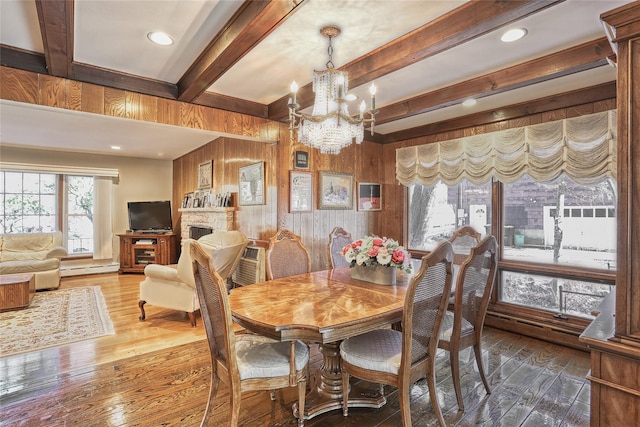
x,y
245,361
338,239
462,240
286,256
400,358
173,286
462,326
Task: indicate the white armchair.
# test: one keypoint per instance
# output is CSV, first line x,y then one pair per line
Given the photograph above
x,y
173,286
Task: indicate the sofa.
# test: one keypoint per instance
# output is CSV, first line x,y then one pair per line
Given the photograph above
x,y
174,287
37,253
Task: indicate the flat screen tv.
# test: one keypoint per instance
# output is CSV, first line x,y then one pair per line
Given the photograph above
x,y
150,217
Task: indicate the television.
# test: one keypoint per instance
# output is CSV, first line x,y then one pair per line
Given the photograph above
x,y
150,217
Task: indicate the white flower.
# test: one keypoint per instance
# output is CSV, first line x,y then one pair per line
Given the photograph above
x,y
362,258
384,257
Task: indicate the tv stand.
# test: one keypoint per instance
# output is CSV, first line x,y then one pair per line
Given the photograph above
x,y
139,249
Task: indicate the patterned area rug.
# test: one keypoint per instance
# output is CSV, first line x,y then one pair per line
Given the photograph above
x,y
55,318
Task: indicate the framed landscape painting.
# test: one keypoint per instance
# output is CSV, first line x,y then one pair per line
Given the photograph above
x,y
335,190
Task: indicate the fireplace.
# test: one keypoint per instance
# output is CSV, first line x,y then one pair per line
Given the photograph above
x,y
205,221
198,232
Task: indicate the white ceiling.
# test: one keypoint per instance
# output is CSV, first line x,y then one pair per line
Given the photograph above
x,y
111,34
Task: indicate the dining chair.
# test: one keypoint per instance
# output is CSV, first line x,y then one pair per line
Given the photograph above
x,y
463,239
400,358
338,239
244,361
462,326
286,256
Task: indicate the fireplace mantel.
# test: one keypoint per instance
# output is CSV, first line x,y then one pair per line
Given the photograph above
x,y
214,218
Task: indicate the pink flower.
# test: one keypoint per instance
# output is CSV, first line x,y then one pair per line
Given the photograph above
x,y
373,252
377,241
398,256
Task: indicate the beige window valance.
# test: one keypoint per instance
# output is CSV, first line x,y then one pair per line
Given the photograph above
x,y
584,148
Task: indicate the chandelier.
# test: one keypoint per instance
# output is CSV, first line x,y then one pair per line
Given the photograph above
x,y
330,127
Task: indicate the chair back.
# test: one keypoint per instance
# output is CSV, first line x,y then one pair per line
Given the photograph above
x,y
286,256
425,304
338,239
475,283
215,311
463,239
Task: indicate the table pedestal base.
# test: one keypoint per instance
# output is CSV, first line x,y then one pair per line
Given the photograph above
x,y
326,389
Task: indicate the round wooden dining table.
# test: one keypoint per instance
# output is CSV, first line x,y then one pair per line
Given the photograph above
x,y
322,307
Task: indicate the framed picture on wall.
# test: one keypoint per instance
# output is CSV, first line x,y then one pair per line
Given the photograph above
x,y
369,196
335,190
300,191
205,174
251,183
301,160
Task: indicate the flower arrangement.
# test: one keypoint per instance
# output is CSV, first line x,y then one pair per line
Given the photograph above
x,y
372,251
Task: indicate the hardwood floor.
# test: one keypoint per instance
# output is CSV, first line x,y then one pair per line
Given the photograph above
x,y
156,373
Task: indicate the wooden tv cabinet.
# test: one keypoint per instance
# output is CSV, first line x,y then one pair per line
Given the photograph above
x,y
137,250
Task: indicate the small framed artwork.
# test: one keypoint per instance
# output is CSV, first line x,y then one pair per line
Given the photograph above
x,y
369,196
205,174
251,182
335,190
300,191
301,160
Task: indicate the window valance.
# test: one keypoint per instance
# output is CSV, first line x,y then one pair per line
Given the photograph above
x,y
584,148
63,170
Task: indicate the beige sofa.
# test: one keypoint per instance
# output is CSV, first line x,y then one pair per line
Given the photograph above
x,y
37,253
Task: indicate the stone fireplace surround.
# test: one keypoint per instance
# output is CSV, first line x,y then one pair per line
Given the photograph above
x,y
214,218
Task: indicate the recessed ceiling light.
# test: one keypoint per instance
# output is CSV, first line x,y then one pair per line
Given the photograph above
x,y
513,35
469,102
161,38
116,147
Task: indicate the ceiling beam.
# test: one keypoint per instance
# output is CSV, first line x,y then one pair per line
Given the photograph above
x,y
463,24
254,21
56,26
575,59
574,98
14,57
229,103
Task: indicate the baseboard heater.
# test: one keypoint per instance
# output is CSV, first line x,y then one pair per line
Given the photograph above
x,y
251,268
89,269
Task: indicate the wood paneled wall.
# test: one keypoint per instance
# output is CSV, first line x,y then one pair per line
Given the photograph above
x,y
41,89
261,222
364,161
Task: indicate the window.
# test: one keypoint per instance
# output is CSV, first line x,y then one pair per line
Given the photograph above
x,y
31,203
534,237
447,208
534,232
79,217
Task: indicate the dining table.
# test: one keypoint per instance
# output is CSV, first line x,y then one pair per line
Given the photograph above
x,y
323,307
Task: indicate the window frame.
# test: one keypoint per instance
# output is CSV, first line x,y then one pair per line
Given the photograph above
x,y
506,310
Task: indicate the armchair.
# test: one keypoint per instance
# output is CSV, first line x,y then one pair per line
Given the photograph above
x,y
174,287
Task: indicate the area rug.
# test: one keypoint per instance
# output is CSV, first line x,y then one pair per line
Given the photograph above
x,y
55,318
